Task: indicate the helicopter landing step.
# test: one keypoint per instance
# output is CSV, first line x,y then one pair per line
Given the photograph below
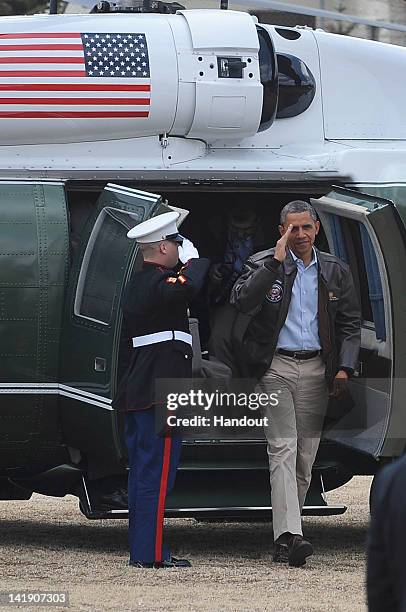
x,y
91,507
248,513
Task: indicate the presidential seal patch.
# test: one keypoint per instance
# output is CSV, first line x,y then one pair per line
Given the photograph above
x,y
275,293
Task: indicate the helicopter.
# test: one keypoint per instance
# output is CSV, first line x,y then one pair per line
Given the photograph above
x,y
110,118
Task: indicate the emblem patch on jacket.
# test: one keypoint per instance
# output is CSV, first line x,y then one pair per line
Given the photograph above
x,y
275,293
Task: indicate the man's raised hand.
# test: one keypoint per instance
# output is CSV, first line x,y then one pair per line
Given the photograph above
x,y
280,248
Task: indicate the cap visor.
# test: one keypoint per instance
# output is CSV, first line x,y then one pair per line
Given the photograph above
x,y
175,238
133,233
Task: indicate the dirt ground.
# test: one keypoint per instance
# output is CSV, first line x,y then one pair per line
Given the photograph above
x,y
46,544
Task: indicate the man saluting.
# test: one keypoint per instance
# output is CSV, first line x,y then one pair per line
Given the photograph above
x,y
155,322
304,336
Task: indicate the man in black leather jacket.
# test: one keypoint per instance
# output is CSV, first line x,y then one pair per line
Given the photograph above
x,y
300,336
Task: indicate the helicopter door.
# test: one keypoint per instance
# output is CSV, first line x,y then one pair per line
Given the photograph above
x,y
92,326
365,232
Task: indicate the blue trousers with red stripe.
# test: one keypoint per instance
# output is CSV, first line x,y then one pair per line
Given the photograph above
x,y
153,461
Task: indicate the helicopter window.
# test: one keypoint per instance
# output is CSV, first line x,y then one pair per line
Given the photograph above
x,y
374,284
337,236
352,243
107,250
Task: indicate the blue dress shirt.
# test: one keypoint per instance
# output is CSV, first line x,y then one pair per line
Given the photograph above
x,y
301,329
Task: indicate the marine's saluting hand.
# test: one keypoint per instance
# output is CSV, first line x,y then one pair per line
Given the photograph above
x,y
187,251
280,248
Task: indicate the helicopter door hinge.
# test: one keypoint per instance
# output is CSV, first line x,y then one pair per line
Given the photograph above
x,y
164,140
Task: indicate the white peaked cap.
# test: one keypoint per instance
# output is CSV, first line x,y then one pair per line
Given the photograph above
x,y
155,229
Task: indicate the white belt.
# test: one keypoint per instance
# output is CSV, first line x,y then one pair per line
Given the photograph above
x,y
162,336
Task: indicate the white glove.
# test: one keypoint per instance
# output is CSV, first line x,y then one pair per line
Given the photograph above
x,y
187,251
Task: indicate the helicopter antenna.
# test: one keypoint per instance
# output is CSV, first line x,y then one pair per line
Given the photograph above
x,y
53,7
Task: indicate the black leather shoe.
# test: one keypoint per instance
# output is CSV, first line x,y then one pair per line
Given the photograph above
x,y
140,564
115,500
280,553
172,562
298,550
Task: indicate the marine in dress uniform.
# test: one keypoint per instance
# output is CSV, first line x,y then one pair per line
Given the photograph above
x,y
156,324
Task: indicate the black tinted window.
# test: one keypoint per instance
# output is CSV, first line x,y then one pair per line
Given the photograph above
x,y
104,264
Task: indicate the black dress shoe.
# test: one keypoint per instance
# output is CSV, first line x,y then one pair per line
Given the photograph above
x,y
298,550
280,553
115,500
172,562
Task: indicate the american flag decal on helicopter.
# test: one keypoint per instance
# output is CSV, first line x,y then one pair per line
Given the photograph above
x,y
74,75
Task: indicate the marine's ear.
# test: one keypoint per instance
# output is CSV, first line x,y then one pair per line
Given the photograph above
x,y
163,247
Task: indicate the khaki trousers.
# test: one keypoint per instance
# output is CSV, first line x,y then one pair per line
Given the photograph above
x,y
293,433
